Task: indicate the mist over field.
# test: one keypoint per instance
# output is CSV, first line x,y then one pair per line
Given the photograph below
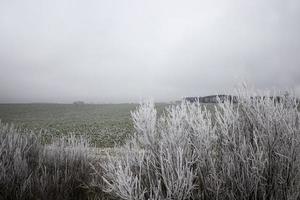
x,y
218,86
128,50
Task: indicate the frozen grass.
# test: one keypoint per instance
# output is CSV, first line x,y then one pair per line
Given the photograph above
x,y
104,124
30,170
248,150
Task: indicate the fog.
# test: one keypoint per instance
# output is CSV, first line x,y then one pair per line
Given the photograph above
x,y
117,51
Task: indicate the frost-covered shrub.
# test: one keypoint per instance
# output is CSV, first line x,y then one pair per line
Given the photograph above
x,y
30,170
19,155
64,169
244,150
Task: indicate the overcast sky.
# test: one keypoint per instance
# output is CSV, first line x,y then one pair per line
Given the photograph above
x,y
128,50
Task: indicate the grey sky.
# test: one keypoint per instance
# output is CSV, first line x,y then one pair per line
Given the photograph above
x,y
128,50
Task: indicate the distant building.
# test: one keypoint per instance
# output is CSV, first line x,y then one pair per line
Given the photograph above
x,y
78,103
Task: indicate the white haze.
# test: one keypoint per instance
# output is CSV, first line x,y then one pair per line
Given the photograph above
x,y
128,50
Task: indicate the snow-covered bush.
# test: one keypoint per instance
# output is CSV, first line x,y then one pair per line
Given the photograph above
x,y
29,170
244,150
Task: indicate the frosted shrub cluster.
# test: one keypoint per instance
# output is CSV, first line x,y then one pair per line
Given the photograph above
x,y
244,150
30,170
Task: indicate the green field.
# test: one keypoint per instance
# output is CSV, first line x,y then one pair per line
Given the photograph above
x,y
105,124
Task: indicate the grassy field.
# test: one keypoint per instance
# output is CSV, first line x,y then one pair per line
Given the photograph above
x,y
256,144
104,124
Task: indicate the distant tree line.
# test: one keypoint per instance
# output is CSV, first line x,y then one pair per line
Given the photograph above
x,y
234,99
212,99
